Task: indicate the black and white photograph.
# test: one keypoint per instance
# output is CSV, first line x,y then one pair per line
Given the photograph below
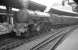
x,y
38,24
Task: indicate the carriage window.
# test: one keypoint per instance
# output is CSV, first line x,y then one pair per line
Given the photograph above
x,y
3,18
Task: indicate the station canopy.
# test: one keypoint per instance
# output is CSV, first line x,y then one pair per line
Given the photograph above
x,y
17,4
11,3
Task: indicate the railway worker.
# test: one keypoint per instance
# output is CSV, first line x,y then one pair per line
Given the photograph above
x,y
72,3
76,5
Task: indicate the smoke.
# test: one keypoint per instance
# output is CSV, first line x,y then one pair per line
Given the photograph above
x,y
24,3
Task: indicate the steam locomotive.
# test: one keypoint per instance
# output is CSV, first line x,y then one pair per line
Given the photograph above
x,y
31,17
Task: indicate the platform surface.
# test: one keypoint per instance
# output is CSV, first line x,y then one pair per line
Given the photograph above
x,y
70,43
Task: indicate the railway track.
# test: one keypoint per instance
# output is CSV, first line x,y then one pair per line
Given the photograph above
x,y
53,41
10,43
